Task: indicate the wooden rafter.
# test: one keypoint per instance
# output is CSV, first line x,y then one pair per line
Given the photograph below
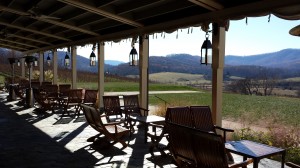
x,y
51,21
12,47
34,31
101,12
208,4
30,39
15,42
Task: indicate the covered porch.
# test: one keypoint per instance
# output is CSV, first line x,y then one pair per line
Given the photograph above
x,y
33,27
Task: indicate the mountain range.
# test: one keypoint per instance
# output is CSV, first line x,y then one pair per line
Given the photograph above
x,y
285,63
288,58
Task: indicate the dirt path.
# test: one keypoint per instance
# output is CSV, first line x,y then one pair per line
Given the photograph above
x,y
237,125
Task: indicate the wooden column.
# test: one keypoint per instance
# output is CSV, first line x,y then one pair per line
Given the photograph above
x,y
100,53
143,65
55,65
41,66
23,70
73,67
218,44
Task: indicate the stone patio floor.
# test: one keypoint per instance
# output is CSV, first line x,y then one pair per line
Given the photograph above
x,y
34,139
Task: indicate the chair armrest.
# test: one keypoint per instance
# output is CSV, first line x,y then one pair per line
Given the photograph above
x,y
224,131
292,165
114,123
156,125
143,109
241,164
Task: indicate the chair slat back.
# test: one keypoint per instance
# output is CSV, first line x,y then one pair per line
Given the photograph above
x,y
180,146
111,105
90,96
92,117
131,104
198,148
202,118
64,88
209,149
75,96
180,115
51,90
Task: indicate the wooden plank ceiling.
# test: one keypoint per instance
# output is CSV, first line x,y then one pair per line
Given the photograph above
x,y
39,25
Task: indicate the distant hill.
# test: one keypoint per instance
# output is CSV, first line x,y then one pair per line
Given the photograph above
x,y
113,62
288,58
284,63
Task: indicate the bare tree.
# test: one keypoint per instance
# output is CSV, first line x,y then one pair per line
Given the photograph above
x,y
267,80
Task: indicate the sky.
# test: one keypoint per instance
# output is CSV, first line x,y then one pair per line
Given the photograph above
x,y
258,36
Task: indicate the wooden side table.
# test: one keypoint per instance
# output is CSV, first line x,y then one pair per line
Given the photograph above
x,y
254,150
146,120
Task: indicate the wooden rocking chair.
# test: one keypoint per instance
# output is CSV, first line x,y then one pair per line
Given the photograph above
x,y
132,108
203,120
112,108
178,115
195,148
112,131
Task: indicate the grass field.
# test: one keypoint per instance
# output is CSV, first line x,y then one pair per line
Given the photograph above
x,y
131,86
177,78
259,110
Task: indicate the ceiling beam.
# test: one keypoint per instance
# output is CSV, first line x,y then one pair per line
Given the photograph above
x,y
51,21
101,12
29,39
15,42
12,47
34,31
208,4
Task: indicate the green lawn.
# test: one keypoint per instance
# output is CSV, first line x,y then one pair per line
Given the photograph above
x,y
131,86
251,109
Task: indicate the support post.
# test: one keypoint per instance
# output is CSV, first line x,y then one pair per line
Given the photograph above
x,y
143,65
55,65
100,54
23,71
74,68
218,45
41,67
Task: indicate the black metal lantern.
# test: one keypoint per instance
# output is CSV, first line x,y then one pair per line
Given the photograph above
x,y
133,57
206,51
93,57
67,60
31,61
48,60
12,61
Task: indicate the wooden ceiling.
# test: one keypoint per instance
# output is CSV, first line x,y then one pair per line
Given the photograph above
x,y
39,25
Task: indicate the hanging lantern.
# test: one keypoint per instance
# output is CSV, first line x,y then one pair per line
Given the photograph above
x,y
67,60
31,61
206,51
133,57
93,57
48,60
